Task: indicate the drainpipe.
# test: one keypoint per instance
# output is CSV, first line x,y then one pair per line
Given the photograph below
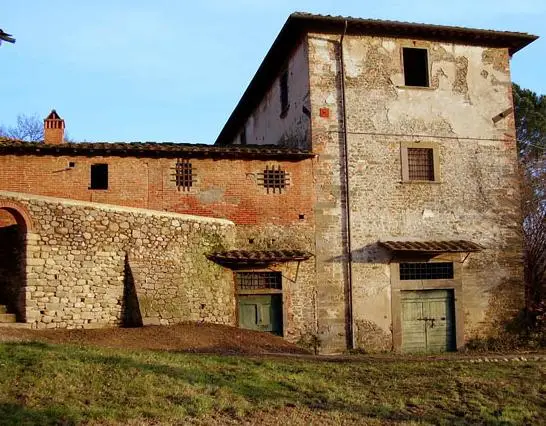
x,y
348,245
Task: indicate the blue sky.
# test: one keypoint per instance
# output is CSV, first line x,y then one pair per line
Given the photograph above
x,y
161,70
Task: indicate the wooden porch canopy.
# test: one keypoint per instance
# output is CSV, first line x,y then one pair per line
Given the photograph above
x,y
431,247
258,257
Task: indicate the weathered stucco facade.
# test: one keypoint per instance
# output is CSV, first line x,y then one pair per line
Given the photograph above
x,y
364,121
475,196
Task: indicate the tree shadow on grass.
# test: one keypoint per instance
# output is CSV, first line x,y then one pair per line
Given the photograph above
x,y
260,382
17,414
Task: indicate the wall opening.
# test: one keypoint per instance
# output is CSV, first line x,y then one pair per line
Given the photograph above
x,y
99,176
415,67
13,229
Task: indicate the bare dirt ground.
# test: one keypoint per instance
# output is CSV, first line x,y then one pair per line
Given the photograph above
x,y
190,337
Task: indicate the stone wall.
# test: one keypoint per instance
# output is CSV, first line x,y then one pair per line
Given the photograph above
x,y
476,196
93,265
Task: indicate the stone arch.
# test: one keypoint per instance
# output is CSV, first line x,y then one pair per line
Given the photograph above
x,y
15,225
19,212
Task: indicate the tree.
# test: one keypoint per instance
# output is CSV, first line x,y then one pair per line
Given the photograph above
x,y
530,115
28,128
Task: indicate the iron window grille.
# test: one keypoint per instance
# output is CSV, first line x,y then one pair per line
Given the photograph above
x,y
258,280
184,175
421,163
274,179
426,271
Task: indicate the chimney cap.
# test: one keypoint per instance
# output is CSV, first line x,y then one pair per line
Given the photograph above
x,y
53,115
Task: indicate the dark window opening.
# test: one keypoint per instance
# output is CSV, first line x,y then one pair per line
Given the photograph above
x,y
242,136
415,67
420,164
184,175
99,176
258,280
71,164
284,93
426,271
274,178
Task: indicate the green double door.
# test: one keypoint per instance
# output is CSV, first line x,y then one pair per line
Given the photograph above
x,y
428,321
261,312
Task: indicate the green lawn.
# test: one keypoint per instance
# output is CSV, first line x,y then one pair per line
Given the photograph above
x,y
62,384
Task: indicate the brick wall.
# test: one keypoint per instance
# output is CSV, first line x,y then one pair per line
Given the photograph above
x,y
222,188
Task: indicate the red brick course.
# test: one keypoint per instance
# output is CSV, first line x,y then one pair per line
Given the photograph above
x,y
223,188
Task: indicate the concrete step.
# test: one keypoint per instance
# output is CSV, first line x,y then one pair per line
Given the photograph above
x,y
7,318
3,309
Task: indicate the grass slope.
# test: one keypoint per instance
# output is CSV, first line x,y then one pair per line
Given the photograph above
x,y
63,384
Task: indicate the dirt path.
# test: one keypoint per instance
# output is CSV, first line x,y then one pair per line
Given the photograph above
x,y
191,337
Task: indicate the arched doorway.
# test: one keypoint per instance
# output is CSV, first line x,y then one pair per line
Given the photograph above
x,y
13,248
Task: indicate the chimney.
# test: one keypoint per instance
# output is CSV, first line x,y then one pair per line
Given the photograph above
x,y
53,129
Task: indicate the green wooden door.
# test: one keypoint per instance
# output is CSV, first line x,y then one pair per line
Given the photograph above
x,y
428,321
261,312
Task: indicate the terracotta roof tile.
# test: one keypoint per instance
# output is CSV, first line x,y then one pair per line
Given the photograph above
x,y
258,256
150,149
453,246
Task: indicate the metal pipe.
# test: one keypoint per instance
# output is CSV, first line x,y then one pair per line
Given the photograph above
x,y
348,246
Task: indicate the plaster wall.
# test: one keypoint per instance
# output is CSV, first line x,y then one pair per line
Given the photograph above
x,y
475,197
268,124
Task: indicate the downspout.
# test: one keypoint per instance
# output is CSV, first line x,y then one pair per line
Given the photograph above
x,y
348,245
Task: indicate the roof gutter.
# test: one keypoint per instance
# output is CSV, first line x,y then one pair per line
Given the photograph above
x,y
348,244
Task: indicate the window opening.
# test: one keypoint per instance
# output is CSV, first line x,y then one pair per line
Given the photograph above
x,y
284,93
415,67
273,178
242,137
420,164
426,271
184,175
99,176
258,280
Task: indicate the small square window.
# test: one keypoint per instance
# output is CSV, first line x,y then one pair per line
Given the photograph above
x,y
99,176
274,178
420,162
184,175
415,67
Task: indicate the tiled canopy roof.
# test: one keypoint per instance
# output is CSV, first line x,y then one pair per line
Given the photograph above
x,y
453,246
258,256
151,149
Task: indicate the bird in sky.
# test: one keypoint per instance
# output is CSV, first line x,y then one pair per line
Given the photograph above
x,y
6,37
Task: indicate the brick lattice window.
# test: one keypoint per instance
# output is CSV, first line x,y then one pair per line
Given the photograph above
x,y
258,280
274,179
426,271
421,163
184,175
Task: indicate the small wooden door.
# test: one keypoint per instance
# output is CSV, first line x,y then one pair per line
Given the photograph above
x,y
261,312
428,321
